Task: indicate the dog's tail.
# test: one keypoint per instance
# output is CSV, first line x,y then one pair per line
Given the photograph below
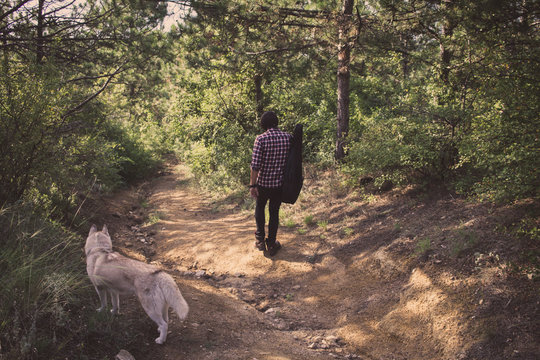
x,y
173,296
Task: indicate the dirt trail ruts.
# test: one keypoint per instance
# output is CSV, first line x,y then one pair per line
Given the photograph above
x,y
212,258
321,297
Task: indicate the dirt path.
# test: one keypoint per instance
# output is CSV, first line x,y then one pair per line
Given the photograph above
x,y
325,295
218,271
238,298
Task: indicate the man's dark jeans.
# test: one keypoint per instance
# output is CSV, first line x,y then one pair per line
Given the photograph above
x,y
265,195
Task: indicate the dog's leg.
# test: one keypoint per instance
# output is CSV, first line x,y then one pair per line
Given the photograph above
x,y
157,316
163,328
153,306
115,301
102,293
165,312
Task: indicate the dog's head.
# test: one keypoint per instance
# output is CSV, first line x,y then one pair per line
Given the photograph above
x,y
98,239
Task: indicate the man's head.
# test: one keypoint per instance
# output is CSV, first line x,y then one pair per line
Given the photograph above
x,y
269,120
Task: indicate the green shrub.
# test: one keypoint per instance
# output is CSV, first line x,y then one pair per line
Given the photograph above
x,y
309,220
42,283
323,224
50,158
422,246
131,159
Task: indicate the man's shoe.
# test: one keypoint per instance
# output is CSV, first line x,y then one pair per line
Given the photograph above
x,y
259,245
273,249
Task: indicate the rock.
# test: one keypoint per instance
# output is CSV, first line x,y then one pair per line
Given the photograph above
x,y
331,339
366,180
272,311
263,306
281,325
136,218
124,355
387,185
150,252
200,273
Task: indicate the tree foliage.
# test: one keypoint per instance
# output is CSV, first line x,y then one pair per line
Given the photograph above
x,y
93,92
439,90
80,114
59,60
465,100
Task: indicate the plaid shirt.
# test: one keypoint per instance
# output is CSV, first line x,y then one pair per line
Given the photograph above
x,y
269,156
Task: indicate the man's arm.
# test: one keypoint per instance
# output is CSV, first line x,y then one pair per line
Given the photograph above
x,y
253,189
256,162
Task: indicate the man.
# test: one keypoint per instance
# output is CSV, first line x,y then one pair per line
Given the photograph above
x,y
267,166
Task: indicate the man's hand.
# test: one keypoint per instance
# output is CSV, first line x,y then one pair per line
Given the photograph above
x,y
252,188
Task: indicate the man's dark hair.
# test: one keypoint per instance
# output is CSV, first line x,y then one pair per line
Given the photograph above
x,y
269,120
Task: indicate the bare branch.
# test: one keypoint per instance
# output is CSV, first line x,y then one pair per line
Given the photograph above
x,y
13,9
285,49
93,96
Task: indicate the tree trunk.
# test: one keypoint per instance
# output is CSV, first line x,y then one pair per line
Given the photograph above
x,y
258,94
343,79
446,34
405,60
40,30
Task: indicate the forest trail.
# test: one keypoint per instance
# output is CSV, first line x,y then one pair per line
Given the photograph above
x,y
321,297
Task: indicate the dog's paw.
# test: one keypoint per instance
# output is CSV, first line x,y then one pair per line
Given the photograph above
x,y
159,341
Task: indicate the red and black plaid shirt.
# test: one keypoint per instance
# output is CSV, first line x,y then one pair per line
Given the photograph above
x,y
269,157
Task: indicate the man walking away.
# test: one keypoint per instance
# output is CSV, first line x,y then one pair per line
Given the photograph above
x,y
269,156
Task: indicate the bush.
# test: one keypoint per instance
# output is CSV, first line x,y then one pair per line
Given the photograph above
x,y
392,146
41,285
50,158
131,158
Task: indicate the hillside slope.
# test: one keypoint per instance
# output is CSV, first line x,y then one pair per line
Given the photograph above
x,y
398,275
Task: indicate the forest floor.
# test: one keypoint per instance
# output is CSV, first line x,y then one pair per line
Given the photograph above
x,y
398,275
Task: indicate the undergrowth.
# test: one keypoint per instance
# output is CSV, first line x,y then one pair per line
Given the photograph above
x,y
40,284
48,303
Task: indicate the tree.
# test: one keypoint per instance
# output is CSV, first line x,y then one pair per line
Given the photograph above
x,y
312,36
343,78
460,111
58,58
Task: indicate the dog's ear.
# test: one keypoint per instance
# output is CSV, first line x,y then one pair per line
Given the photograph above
x,y
105,230
93,229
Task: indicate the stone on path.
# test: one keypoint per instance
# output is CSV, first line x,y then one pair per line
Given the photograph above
x,y
124,355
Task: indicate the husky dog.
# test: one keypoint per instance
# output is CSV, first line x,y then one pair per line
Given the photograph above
x,y
115,274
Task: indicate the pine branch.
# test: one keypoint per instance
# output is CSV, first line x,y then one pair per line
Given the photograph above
x,y
94,95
